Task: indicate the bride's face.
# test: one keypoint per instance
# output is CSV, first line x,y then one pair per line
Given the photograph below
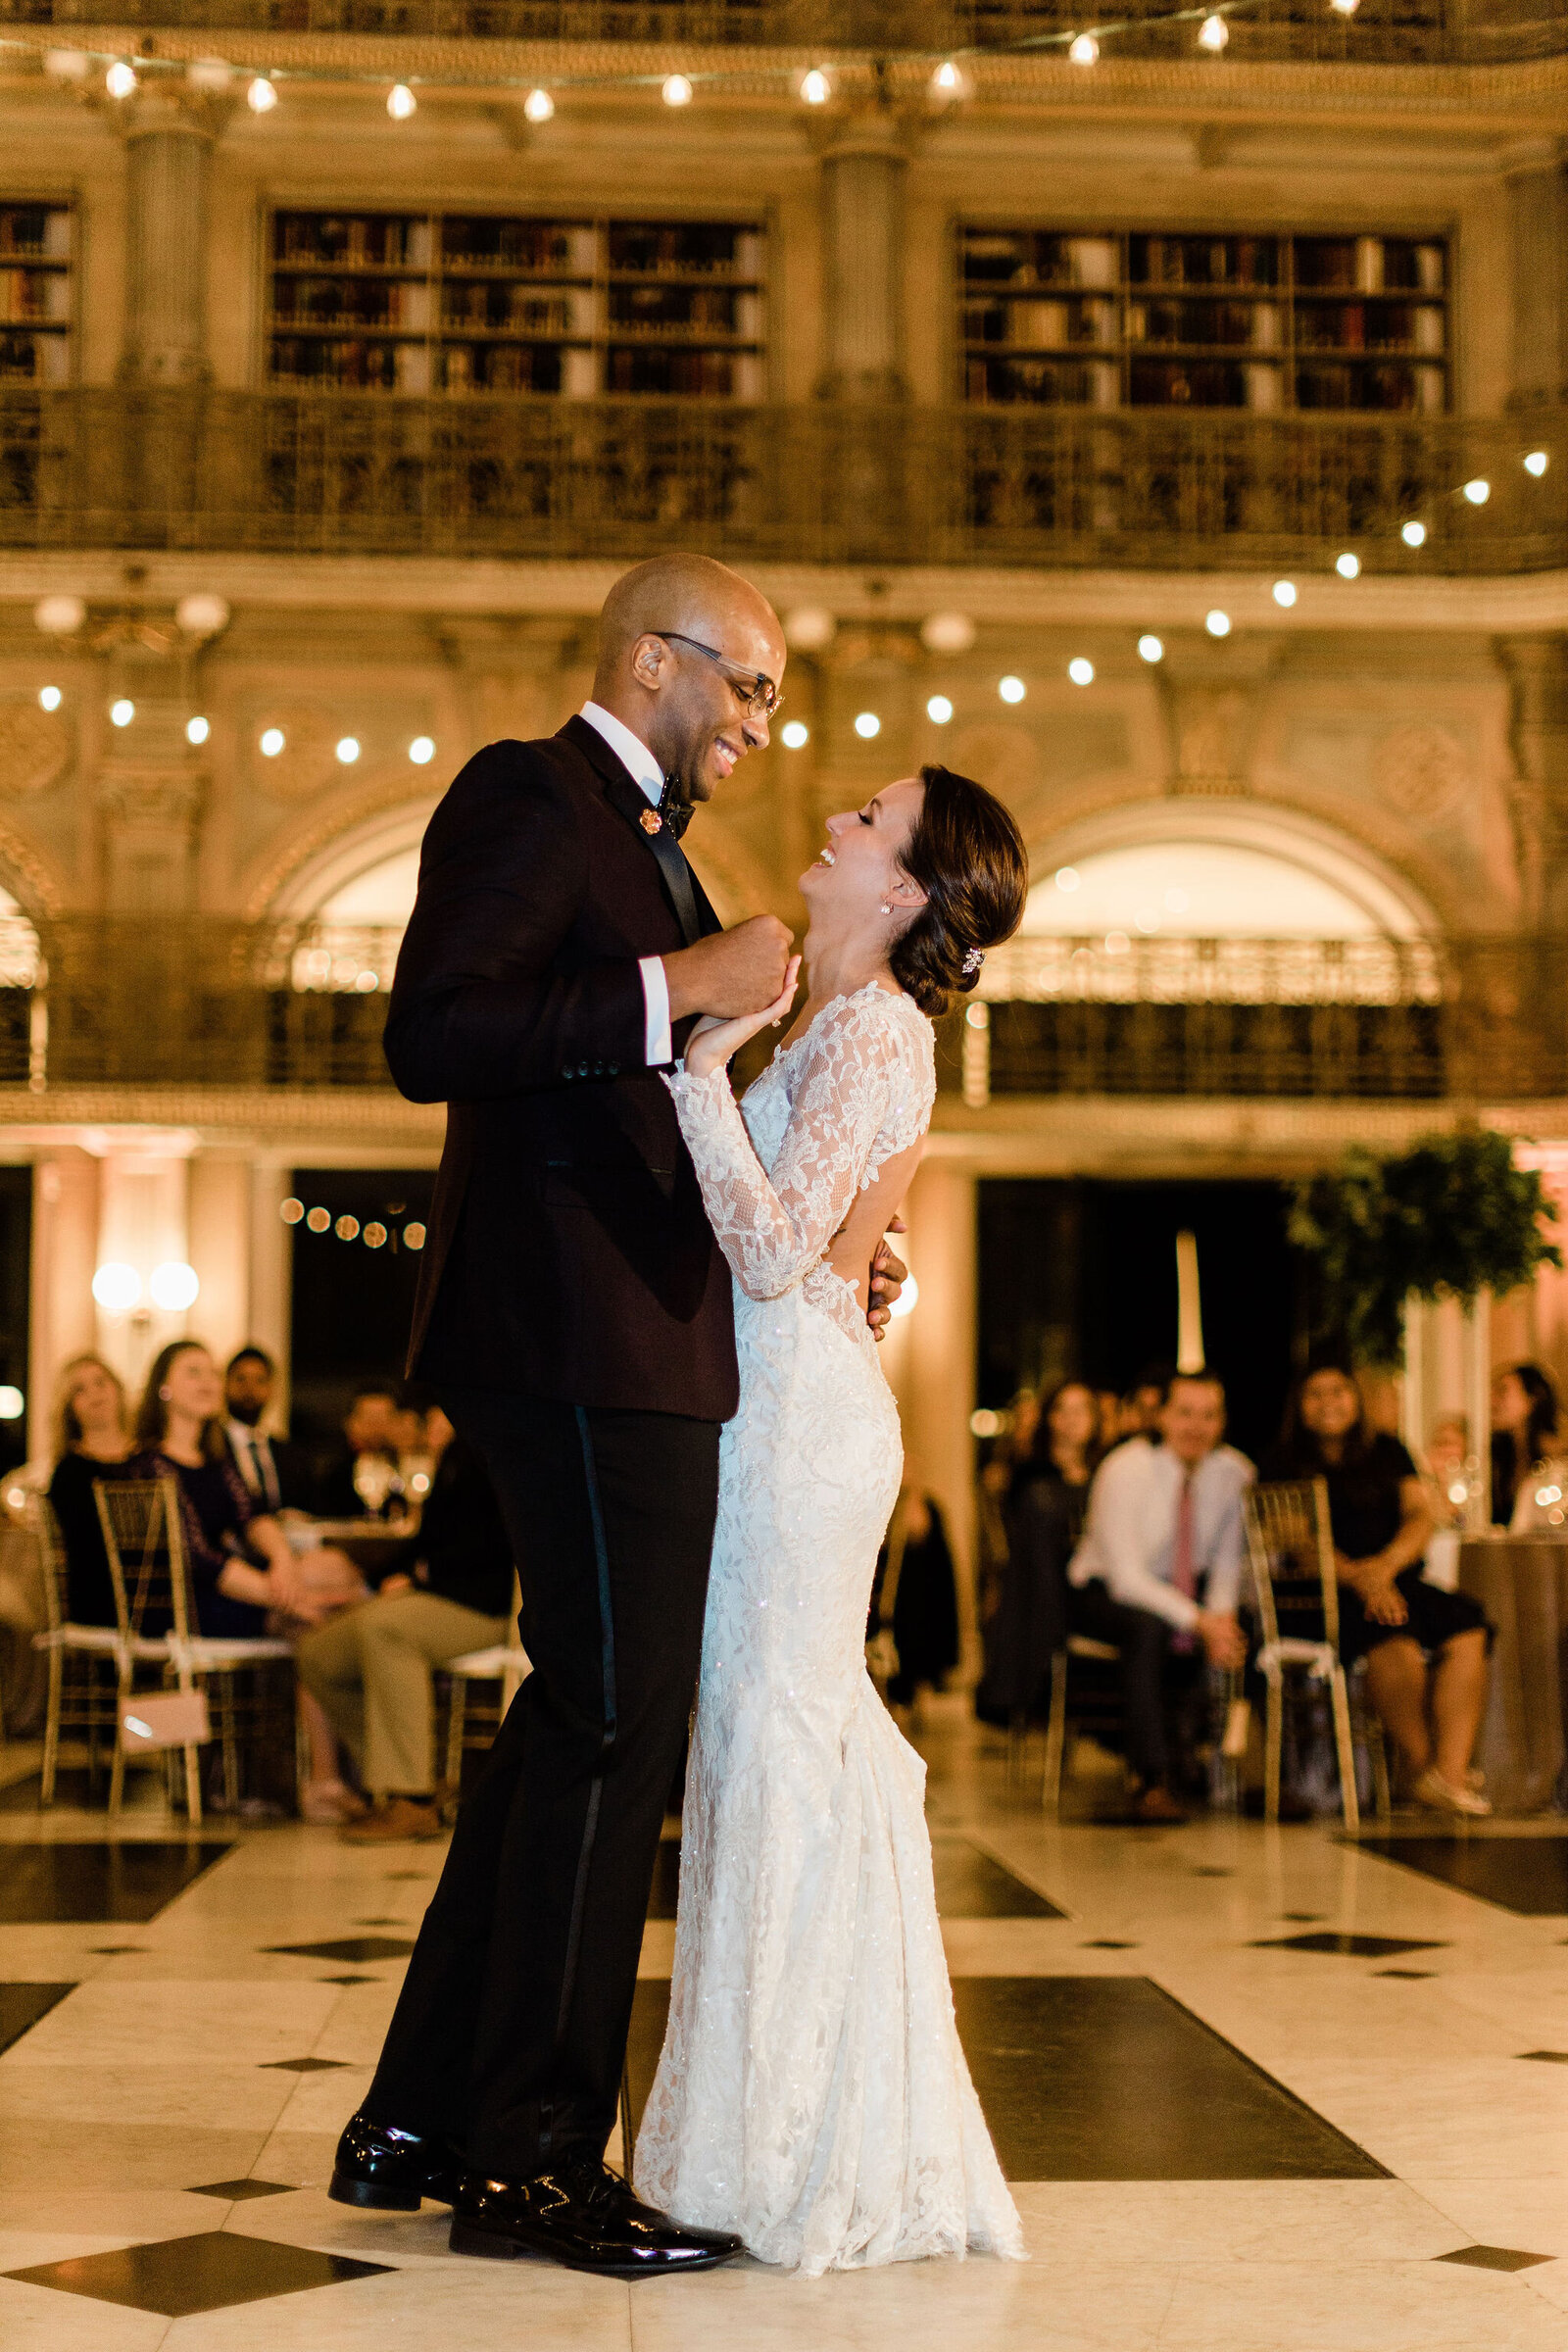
x,y
857,872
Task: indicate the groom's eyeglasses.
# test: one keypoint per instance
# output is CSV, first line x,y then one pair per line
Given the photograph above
x,y
755,692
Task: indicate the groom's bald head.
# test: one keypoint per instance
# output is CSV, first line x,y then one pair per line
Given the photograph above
x,y
684,707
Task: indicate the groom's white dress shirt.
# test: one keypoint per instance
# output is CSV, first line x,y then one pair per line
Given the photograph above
x,y
634,756
1129,1538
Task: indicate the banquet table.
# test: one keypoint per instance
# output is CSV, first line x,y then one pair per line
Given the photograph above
x,y
1522,1584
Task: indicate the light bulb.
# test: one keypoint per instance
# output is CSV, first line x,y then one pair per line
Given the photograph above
x,y
348,749
260,97
795,734
401,102
950,82
1085,50
173,1286
421,751
59,616
1348,567
1012,689
538,106
1212,34
117,1286
1151,649
1537,463
815,87
939,709
49,698
678,90
1080,672
1478,491
272,740
122,714
1344,8
1285,592
1218,624
868,724
197,730
120,80
1415,534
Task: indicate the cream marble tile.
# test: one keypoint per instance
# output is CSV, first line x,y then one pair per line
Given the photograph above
x,y
325,2102
304,2158
38,2319
477,2306
1523,2210
1550,2280
45,2152
190,2026
308,2217
1415,2307
131,2097
1239,2221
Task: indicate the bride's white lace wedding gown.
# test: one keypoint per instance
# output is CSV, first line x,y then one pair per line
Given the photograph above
x,y
812,2095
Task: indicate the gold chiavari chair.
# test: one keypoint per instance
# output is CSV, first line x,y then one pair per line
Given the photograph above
x,y
82,1659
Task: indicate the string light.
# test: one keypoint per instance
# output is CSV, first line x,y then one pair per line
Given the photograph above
x,y
939,709
866,726
1085,50
678,90
1415,534
1285,592
1012,689
1212,34
795,734
260,97
950,82
1080,672
1537,463
271,743
1218,624
197,730
1478,491
1150,648
816,87
49,698
317,1220
1344,8
348,749
1348,567
120,80
421,751
401,102
539,106
122,714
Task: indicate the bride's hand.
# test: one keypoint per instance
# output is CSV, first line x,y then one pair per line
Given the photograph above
x,y
713,1039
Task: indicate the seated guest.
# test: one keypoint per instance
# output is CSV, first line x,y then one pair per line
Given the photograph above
x,y
916,1599
364,1481
1425,1650
273,1470
1044,1521
91,1442
1143,1403
1158,1571
1524,1432
447,1590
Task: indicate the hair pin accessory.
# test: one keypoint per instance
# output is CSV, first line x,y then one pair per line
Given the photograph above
x,y
973,960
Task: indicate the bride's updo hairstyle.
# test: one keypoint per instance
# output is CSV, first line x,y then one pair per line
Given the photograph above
x,y
967,855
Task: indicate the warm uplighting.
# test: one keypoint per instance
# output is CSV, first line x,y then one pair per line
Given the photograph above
x,y
868,724
59,616
1081,672
815,87
121,713
1348,567
421,751
271,743
1537,463
348,749
260,97
1213,34
1085,50
201,615
678,90
173,1286
401,102
197,730
117,1286
1478,491
1012,689
1285,594
120,80
1415,534
1218,624
49,698
1344,8
939,709
1150,648
949,80
947,633
539,106
795,734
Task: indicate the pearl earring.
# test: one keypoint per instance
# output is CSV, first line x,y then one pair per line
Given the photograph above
x,y
887,911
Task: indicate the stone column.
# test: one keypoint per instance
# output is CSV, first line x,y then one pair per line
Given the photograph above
x,y
63,1320
220,1249
1536,668
144,1222
169,141
270,1323
862,263
1538,240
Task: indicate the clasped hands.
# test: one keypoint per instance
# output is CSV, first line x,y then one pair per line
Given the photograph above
x,y
1372,1580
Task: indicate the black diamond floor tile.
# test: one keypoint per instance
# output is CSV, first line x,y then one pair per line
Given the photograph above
x,y
1354,1947
22,2006
1527,1875
1493,2258
349,1980
238,2192
128,1879
378,1922
1102,2079
1548,2057
969,1884
348,1949
1410,1976
181,2275
1210,1870
1106,1943
1303,1919
303,2066
114,1951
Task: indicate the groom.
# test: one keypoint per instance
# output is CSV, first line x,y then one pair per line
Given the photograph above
x,y
574,1312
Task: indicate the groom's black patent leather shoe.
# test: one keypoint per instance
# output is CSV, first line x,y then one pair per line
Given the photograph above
x,y
585,2216
380,2166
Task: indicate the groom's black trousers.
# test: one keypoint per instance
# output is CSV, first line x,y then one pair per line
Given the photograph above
x,y
510,2029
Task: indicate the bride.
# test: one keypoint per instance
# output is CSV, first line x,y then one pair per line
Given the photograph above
x,y
812,2096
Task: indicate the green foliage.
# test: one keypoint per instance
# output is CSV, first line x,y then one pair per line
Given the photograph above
x,y
1448,1218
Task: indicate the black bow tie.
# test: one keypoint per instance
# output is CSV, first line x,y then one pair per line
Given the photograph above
x,y
675,806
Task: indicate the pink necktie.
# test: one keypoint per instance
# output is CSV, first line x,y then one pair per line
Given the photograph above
x,y
1183,1572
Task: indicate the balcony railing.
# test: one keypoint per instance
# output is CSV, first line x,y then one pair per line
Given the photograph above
x,y
1384,32
210,1003
327,474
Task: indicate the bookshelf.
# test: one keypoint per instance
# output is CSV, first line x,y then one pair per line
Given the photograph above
x,y
37,298
468,302
1146,318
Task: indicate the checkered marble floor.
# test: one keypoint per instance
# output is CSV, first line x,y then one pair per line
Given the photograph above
x,y
1259,2092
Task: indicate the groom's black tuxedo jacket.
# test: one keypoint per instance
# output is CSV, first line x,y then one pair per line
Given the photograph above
x,y
569,1253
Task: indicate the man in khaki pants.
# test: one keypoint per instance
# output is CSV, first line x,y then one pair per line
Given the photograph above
x,y
446,1592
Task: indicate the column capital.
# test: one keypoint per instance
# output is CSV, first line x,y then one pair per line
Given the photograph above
x,y
171,107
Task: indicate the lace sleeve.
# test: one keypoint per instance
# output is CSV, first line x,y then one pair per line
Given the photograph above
x,y
863,1093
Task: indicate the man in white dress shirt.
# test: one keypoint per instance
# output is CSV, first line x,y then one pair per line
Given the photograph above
x,y
1158,1571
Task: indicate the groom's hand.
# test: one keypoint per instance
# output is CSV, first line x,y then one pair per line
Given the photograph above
x,y
731,973
889,1274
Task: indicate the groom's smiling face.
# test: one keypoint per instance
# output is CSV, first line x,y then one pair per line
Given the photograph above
x,y
700,724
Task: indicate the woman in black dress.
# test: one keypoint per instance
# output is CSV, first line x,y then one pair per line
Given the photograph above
x,y
91,1442
1046,1514
1524,1428
1426,1650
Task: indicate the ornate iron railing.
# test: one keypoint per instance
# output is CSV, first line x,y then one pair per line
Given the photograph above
x,y
207,1001
332,473
1384,32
